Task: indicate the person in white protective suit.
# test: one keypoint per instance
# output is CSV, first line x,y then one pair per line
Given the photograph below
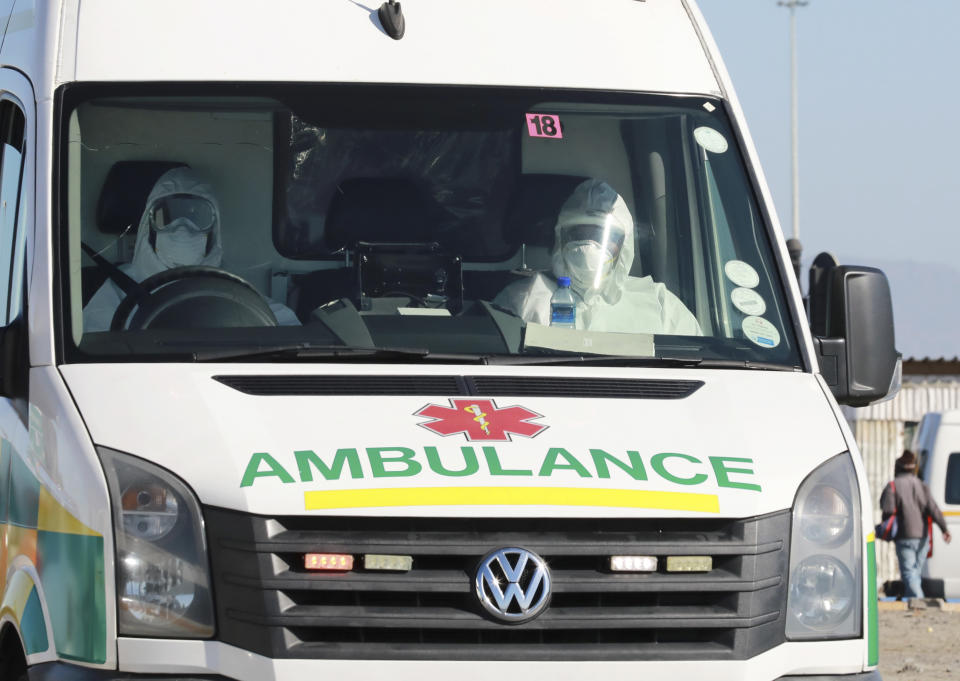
x,y
594,246
180,226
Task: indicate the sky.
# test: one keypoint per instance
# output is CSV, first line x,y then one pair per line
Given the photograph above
x,y
879,94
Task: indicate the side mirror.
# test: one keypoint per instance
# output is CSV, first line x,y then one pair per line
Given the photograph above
x,y
852,314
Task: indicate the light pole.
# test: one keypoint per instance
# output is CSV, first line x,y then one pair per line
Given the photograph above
x,y
795,247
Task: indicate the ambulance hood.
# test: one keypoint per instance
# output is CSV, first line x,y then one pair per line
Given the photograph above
x,y
283,440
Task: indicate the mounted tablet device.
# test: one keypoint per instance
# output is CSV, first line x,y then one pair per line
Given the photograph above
x,y
419,271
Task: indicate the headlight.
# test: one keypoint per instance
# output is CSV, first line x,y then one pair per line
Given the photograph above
x,y
823,592
824,516
825,572
163,582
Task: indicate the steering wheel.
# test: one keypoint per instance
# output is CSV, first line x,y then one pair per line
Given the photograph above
x,y
193,297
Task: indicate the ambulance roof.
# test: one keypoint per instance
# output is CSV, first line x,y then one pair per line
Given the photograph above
x,y
637,45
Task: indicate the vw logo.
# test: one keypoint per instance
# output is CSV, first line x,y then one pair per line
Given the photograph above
x,y
513,584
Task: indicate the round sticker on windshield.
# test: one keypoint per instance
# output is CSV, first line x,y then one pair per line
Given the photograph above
x,y
761,332
748,301
741,274
710,139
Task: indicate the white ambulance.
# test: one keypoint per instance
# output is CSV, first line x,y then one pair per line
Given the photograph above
x,y
457,339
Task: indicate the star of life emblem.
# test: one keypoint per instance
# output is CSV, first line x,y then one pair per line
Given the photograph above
x,y
481,420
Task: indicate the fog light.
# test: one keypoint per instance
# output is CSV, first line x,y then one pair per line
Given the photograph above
x,y
633,563
339,562
379,561
689,563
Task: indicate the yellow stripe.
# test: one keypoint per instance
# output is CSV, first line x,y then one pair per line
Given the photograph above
x,y
951,513
871,537
52,517
510,496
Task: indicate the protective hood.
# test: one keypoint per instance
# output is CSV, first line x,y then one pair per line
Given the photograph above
x,y
595,202
182,180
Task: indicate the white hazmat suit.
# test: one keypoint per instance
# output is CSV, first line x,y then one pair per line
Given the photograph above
x,y
180,243
594,247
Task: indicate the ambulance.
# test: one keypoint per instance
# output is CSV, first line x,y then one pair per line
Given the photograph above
x,y
282,392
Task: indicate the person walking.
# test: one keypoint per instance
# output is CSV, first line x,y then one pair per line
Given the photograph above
x,y
909,498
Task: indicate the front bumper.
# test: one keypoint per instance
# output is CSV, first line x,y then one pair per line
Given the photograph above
x,y
59,671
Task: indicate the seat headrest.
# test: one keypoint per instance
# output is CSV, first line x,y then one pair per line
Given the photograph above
x,y
379,210
125,191
534,207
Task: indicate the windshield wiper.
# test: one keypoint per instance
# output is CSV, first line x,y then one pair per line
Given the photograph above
x,y
634,361
307,351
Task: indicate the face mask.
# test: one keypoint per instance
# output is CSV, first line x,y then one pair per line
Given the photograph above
x,y
589,264
178,246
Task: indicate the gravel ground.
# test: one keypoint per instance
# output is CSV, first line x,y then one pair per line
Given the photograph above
x,y
919,645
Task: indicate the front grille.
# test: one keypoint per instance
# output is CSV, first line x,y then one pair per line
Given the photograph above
x,y
268,604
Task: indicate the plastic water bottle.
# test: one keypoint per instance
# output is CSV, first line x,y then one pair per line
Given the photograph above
x,y
563,308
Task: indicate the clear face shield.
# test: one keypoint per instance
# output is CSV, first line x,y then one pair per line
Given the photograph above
x,y
590,249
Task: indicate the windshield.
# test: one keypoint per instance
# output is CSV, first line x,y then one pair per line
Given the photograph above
x,y
322,222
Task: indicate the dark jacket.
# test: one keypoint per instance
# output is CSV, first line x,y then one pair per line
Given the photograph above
x,y
913,503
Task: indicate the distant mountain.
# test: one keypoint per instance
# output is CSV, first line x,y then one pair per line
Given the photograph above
x,y
926,305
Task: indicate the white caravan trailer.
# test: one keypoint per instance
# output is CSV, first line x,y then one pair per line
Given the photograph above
x,y
282,393
937,445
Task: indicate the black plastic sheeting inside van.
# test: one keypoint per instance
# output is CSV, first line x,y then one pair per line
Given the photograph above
x,y
339,186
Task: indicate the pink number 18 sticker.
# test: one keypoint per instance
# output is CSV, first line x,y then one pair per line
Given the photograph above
x,y
544,125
